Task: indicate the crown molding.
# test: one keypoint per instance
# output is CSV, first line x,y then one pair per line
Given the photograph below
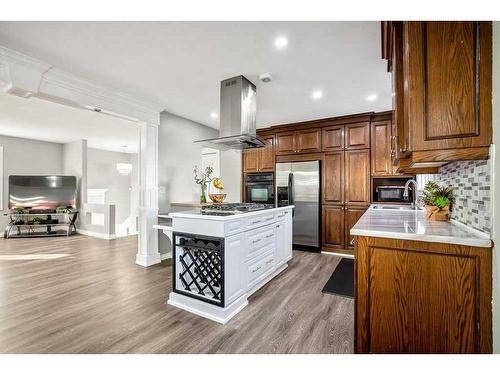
x,y
22,73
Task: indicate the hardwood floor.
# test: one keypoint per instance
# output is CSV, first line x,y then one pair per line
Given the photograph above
x,y
86,295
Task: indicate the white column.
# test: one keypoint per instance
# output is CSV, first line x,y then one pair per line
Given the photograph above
x,y
147,251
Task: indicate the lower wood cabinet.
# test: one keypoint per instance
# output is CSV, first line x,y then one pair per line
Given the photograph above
x,y
333,227
422,297
337,224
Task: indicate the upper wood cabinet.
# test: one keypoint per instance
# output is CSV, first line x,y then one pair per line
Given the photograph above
x,y
333,178
260,159
267,160
333,138
357,177
354,136
300,141
357,136
442,79
382,148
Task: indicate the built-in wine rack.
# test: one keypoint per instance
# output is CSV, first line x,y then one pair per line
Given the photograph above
x,y
199,267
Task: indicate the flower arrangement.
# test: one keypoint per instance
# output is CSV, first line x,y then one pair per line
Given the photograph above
x,y
438,200
203,179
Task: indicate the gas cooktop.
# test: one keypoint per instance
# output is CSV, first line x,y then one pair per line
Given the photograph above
x,y
224,209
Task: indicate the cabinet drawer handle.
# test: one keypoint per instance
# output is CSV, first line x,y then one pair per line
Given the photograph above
x,y
270,261
257,240
269,235
255,222
256,269
352,242
280,216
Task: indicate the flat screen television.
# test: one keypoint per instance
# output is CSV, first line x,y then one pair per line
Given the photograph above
x,y
42,192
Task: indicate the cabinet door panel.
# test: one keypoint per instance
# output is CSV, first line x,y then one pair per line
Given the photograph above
x,y
285,143
266,161
250,161
449,84
308,140
439,315
333,138
357,177
357,136
333,226
381,148
333,177
352,215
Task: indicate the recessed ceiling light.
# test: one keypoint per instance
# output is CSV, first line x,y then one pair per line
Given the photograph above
x,y
214,115
280,42
371,97
317,94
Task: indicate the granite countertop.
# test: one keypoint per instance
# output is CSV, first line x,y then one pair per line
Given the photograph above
x,y
412,225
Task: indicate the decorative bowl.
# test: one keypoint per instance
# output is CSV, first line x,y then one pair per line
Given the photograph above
x,y
217,198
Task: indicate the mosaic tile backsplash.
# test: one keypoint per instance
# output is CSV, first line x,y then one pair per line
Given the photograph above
x,y
472,183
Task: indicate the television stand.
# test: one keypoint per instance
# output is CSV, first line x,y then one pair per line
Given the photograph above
x,y
53,224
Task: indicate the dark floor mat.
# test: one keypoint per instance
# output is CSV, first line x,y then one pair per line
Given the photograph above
x,y
342,280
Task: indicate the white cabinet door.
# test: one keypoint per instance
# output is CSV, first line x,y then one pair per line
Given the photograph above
x,y
280,243
288,235
234,252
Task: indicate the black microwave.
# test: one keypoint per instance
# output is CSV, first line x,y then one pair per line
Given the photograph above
x,y
392,193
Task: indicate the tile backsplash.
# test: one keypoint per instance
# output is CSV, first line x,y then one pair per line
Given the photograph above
x,y
472,183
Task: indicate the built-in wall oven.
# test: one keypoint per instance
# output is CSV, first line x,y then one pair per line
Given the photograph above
x,y
259,188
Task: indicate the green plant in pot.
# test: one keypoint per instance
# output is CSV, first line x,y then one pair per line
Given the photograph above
x,y
38,220
438,201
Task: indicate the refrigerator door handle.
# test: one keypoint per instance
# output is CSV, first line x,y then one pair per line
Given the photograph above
x,y
290,191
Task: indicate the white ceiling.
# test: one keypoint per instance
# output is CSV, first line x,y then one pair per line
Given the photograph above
x,y
181,64
46,121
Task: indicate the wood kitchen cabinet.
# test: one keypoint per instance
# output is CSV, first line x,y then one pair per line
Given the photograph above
x,y
354,136
442,79
422,297
333,178
333,227
260,159
300,141
383,143
352,215
357,177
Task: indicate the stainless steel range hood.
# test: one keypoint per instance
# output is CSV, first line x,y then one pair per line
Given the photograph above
x,y
237,116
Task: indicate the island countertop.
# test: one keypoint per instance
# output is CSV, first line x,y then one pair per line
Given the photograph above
x,y
412,225
196,214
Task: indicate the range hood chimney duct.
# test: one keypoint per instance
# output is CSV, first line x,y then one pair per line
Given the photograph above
x,y
238,107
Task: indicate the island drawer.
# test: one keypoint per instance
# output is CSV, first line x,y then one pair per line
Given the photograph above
x,y
260,220
258,270
258,239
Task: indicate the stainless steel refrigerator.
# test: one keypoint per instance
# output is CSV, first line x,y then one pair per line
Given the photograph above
x,y
298,183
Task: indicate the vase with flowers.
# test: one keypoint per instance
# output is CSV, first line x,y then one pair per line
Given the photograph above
x,y
438,201
203,179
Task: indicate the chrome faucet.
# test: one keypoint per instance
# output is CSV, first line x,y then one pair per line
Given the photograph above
x,y
407,189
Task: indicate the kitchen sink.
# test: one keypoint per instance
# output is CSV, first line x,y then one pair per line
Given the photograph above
x,y
394,208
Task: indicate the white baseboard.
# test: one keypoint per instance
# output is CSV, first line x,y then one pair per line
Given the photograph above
x,y
147,260
104,236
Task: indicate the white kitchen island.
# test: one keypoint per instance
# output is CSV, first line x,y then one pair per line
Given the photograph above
x,y
219,261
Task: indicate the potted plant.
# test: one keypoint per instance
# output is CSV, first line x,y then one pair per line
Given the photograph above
x,y
38,220
203,180
438,201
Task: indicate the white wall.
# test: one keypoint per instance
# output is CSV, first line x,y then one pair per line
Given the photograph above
x,y
121,190
177,155
496,182
75,164
25,156
230,169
